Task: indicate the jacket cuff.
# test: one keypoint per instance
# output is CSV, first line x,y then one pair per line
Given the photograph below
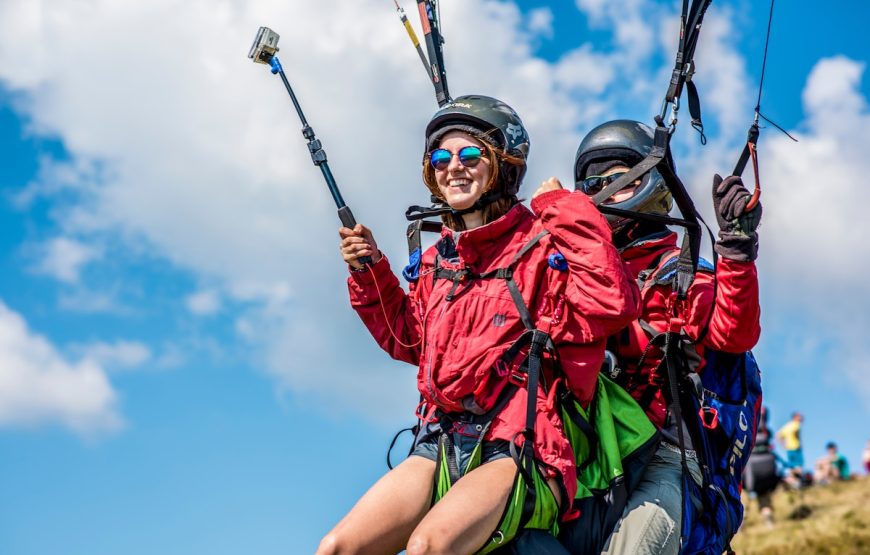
x,y
361,283
737,247
542,201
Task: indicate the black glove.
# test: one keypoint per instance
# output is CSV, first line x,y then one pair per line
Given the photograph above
x,y
737,237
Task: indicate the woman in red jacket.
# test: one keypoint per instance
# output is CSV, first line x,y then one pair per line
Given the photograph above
x,y
497,271
729,311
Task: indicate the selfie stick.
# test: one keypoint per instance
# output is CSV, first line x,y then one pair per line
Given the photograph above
x,y
263,52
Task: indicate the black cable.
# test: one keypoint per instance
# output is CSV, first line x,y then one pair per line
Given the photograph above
x,y
764,61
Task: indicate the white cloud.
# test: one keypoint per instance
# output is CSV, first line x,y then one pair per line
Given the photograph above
x,y
87,301
183,148
814,185
815,230
38,385
63,258
541,22
120,355
204,303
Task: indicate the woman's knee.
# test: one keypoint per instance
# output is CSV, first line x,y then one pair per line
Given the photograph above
x,y
421,543
332,544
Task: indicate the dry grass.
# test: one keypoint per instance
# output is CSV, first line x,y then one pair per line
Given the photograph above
x,y
838,522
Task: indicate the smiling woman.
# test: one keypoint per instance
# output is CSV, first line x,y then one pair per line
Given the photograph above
x,y
500,288
466,162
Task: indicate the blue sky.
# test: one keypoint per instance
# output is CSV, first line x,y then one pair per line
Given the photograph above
x,y
179,369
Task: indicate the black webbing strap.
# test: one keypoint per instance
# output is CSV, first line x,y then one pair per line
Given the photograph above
x,y
517,296
653,159
434,45
439,208
583,423
643,216
522,252
671,360
695,109
446,444
524,458
751,139
537,340
416,227
413,429
690,251
416,212
684,64
657,158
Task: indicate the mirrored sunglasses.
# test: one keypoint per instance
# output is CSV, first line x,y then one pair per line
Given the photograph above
x,y
469,156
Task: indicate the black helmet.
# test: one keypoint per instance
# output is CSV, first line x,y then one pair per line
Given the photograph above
x,y
491,121
628,142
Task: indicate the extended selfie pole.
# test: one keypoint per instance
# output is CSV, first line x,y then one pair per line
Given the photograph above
x,y
263,52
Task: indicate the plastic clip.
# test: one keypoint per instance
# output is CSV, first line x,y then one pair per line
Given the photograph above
x,y
709,417
519,379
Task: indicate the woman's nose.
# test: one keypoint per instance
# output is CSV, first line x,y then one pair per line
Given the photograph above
x,y
455,165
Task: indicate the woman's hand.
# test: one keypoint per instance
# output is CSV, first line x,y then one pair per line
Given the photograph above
x,y
356,243
551,184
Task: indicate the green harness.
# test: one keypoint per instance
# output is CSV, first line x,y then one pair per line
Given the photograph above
x,y
528,507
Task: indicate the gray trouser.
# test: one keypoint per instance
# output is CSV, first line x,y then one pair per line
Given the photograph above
x,y
650,523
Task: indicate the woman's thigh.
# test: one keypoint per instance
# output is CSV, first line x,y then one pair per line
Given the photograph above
x,y
383,519
465,518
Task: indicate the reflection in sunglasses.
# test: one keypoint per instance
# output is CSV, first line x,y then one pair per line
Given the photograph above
x,y
469,156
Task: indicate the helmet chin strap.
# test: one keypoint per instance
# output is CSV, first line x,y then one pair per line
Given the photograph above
x,y
439,207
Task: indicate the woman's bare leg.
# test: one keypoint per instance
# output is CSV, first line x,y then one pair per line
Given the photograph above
x,y
464,519
383,519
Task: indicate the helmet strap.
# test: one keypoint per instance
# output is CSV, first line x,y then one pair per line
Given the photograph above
x,y
439,207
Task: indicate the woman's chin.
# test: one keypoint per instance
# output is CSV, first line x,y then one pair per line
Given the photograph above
x,y
461,202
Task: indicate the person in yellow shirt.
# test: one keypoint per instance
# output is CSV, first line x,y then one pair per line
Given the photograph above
x,y
790,435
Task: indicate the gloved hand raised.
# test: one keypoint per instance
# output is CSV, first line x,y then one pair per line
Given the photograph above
x,y
737,237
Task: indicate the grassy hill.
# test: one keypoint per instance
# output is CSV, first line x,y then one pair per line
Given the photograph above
x,y
832,519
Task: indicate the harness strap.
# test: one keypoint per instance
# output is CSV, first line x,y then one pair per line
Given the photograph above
x,y
538,342
671,362
517,296
584,424
411,272
658,158
524,458
748,148
431,25
695,109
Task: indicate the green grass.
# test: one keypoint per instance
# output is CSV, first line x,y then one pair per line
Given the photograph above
x,y
837,522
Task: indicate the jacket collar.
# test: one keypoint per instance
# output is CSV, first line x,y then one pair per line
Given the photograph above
x,y
646,251
480,242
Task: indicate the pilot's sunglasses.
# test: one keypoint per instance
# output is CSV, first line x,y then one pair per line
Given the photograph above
x,y
595,183
469,156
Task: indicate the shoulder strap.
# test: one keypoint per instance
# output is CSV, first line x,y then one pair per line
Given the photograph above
x,y
411,272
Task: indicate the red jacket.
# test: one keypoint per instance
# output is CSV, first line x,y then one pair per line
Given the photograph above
x,y
465,336
734,323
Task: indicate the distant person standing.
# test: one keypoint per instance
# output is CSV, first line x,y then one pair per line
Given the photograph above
x,y
865,458
790,435
761,477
